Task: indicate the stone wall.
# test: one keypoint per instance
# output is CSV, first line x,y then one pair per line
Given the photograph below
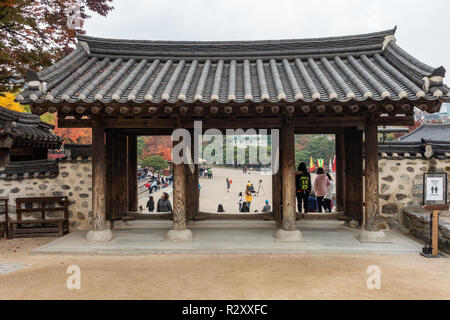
x,y
417,221
74,180
401,185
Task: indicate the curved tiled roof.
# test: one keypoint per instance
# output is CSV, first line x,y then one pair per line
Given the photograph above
x,y
27,128
414,150
436,132
19,170
350,68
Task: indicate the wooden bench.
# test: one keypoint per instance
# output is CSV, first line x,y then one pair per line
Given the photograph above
x,y
4,223
43,227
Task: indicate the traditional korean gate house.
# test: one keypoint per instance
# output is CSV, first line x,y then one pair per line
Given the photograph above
x,y
342,85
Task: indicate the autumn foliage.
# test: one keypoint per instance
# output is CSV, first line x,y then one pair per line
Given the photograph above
x,y
35,33
155,145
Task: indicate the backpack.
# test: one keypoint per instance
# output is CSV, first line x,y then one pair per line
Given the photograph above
x,y
303,183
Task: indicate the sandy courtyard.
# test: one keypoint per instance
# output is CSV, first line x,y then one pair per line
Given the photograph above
x,y
214,191
300,276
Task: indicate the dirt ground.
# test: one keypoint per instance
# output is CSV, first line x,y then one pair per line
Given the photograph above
x,y
183,276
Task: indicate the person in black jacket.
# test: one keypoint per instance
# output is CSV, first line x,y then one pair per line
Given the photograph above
x,y
164,204
151,204
302,186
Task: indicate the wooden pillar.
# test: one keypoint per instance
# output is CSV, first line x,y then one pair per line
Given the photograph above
x,y
179,195
371,174
276,197
98,222
288,176
353,175
132,174
117,145
340,172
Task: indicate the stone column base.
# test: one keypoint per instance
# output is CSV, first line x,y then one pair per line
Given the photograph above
x,y
99,236
179,235
288,236
372,236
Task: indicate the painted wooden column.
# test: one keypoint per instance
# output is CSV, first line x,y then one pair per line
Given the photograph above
x,y
353,176
340,172
132,174
98,228
289,231
371,174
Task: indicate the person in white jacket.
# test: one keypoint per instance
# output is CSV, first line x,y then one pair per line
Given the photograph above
x,y
331,193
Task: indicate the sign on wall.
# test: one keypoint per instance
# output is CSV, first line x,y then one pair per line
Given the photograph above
x,y
435,189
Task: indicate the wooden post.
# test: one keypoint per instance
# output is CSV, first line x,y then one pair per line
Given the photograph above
x,y
288,176
98,222
353,176
371,175
435,233
340,172
132,174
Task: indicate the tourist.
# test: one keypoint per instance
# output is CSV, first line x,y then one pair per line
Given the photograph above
x,y
150,204
210,173
266,208
154,186
248,198
164,204
240,201
330,194
320,187
228,185
303,187
220,208
245,207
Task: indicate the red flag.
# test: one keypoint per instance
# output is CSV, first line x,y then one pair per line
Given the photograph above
x,y
334,164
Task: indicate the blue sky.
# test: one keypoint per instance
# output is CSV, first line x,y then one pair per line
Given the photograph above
x,y
423,26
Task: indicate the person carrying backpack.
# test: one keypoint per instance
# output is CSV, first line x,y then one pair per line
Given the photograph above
x,y
302,186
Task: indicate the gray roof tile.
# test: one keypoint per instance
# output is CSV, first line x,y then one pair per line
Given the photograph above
x,y
346,68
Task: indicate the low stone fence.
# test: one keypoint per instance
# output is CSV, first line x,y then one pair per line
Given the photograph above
x,y
417,221
74,181
401,185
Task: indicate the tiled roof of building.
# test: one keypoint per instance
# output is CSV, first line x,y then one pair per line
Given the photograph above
x,y
349,68
18,170
436,132
27,128
415,149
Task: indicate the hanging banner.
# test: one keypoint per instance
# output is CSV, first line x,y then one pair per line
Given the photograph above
x,y
312,167
320,163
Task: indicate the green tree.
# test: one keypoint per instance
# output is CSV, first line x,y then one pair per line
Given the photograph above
x,y
157,162
316,146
